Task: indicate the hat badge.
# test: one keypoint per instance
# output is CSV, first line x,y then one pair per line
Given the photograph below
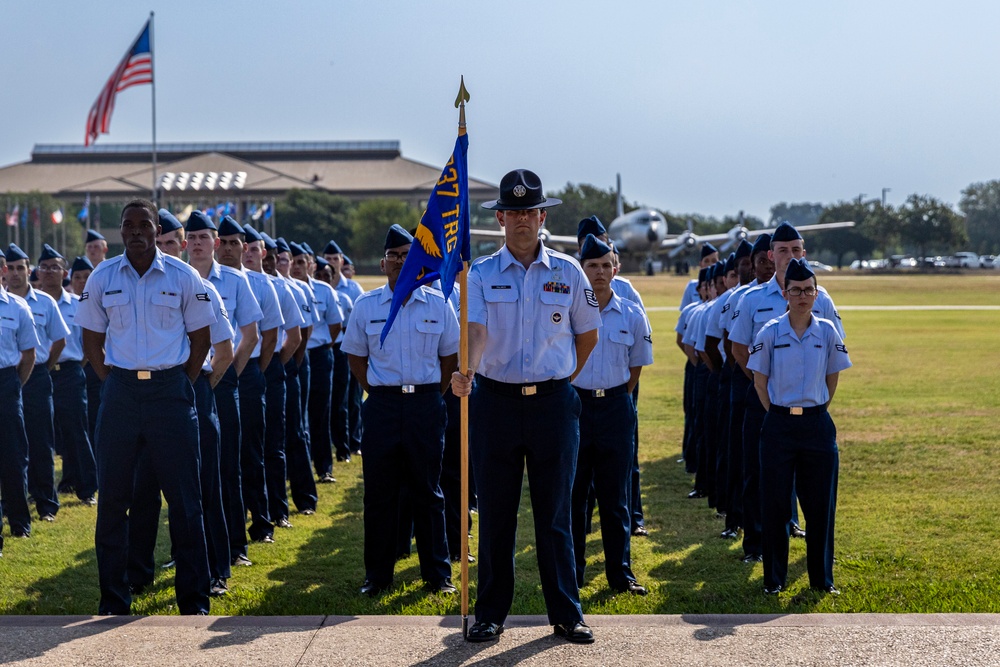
x,y
519,191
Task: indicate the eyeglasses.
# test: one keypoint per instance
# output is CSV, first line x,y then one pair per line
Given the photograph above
x,y
798,291
393,256
49,269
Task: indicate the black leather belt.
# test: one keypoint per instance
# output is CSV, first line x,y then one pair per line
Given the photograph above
x,y
796,412
404,389
527,389
145,375
69,363
603,393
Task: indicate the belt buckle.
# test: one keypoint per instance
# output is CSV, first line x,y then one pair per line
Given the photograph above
x,y
795,411
408,389
529,390
143,375
598,393
56,367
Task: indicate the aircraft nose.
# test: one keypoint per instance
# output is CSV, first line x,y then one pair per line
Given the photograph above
x,y
651,235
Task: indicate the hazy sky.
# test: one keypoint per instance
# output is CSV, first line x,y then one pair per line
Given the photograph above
x,y
703,106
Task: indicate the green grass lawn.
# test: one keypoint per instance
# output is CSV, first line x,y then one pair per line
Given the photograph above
x,y
918,498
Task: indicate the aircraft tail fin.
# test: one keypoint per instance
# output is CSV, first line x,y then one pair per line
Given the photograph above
x,y
619,207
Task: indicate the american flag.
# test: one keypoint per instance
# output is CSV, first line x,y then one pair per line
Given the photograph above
x,y
135,69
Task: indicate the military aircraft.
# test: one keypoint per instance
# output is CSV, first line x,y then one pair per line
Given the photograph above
x,y
643,233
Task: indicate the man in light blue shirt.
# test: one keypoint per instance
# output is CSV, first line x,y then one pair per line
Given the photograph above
x,y
17,359
146,320
37,392
347,292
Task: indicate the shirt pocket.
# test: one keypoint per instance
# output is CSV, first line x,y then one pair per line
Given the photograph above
x,y
8,333
762,317
374,330
167,310
554,311
619,344
119,310
428,336
501,308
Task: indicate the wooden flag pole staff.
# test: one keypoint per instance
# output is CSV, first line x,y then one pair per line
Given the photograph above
x,y
463,364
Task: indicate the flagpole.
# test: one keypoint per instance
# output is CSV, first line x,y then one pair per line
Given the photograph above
x,y
156,199
463,351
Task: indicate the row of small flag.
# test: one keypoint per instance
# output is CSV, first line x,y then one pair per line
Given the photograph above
x,y
18,213
255,213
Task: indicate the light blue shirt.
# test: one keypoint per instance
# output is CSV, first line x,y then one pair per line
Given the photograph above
x,y
623,287
346,305
146,318
304,297
690,294
17,329
693,323
352,289
796,368
763,303
68,303
237,297
220,330
684,318
531,316
625,342
290,309
327,309
424,330
733,297
267,299
49,324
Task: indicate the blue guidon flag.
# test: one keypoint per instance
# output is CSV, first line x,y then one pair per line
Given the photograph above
x,y
441,242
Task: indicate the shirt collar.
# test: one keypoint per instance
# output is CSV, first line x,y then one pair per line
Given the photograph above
x,y
3,295
386,294
772,285
614,304
785,328
506,258
158,262
31,296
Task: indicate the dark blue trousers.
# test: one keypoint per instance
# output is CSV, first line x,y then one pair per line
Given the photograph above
x,y
321,384
144,515
155,418
799,451
339,420
94,386
508,433
274,440
354,395
688,447
635,495
607,425
403,446
699,387
69,399
737,405
13,454
753,417
301,482
253,388
722,441
228,407
709,439
38,424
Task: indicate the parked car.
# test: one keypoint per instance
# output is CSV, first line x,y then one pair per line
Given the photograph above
x,y
819,266
966,260
986,261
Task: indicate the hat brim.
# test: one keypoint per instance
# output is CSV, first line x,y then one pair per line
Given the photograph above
x,y
501,206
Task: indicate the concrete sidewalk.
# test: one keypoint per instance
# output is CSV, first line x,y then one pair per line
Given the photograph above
x,y
911,640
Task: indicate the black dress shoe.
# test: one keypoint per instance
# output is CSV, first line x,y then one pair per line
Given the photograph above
x,y
444,588
307,512
327,478
578,633
283,522
640,531
457,558
829,590
752,558
481,631
633,587
218,588
372,589
241,561
797,532
90,502
729,534
772,590
695,494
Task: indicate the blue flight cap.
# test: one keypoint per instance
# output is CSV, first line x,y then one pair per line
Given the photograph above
x,y
332,248
707,249
785,232
198,221
33,276
252,234
591,225
14,253
744,249
94,235
798,269
762,244
396,237
228,227
720,269
593,248
296,249
702,275
347,261
48,252
282,244
307,248
731,262
168,223
322,263
65,282
269,243
81,264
